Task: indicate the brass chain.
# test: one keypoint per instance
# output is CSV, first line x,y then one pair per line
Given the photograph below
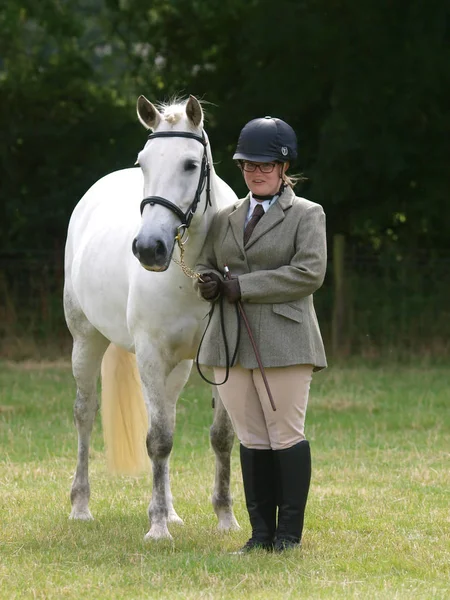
x,y
184,267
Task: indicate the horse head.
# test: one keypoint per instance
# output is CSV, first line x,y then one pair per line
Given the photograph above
x,y
176,173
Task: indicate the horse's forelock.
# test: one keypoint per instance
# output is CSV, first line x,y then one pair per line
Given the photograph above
x,y
174,110
173,114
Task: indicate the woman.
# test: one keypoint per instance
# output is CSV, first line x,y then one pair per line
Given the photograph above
x,y
274,246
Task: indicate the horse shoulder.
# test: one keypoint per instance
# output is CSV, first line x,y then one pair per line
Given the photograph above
x,y
165,308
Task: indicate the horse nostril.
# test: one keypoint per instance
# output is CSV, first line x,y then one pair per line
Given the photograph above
x,y
160,249
134,247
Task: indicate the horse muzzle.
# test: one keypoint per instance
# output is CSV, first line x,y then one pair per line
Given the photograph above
x,y
152,253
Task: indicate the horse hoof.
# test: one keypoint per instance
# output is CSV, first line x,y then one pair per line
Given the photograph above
x,y
227,522
175,519
81,515
156,533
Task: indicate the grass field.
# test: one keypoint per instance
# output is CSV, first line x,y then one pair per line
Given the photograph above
x,y
377,523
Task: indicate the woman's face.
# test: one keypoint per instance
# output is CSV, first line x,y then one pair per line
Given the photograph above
x,y
263,184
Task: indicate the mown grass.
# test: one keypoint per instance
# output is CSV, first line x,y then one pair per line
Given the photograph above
x,y
377,524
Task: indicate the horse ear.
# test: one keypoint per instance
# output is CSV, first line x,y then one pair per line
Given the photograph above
x,y
149,116
194,111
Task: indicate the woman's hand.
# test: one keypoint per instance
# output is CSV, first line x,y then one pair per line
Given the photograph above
x,y
231,289
210,286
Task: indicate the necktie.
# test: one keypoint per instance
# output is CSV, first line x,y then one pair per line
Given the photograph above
x,y
258,212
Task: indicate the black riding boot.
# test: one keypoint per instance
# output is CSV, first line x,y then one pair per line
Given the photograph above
x,y
260,496
293,468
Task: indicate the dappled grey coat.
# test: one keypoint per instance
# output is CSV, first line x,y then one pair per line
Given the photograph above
x,y
279,268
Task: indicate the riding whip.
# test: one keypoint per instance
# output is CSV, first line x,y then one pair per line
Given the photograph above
x,y
252,340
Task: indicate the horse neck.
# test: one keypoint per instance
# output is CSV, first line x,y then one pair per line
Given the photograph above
x,y
219,198
200,226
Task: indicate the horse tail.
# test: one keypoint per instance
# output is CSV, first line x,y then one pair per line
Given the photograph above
x,y
124,416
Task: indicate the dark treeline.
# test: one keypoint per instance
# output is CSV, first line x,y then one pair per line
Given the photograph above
x,y
365,83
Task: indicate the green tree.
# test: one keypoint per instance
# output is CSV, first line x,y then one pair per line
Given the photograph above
x,y
365,84
61,127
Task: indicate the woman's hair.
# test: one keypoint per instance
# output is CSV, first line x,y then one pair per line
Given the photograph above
x,y
292,180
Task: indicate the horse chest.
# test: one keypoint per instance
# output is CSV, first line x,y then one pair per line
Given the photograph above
x,y
172,320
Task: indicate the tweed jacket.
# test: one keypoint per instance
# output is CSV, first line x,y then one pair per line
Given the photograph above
x,y
279,268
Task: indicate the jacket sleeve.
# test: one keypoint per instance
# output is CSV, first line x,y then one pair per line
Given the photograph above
x,y
305,273
206,261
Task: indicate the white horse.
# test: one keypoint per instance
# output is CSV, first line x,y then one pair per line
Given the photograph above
x,y
146,311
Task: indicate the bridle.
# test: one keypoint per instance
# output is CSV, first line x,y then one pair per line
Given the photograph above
x,y
205,178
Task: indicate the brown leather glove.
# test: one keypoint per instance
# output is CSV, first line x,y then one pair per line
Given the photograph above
x,y
231,289
210,286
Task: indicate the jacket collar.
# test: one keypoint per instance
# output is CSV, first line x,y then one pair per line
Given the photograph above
x,y
273,216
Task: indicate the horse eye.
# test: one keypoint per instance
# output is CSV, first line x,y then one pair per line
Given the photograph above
x,y
190,165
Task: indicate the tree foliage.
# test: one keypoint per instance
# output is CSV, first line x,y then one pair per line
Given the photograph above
x,y
365,83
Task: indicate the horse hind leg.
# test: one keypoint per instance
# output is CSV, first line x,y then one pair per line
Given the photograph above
x,y
88,349
222,438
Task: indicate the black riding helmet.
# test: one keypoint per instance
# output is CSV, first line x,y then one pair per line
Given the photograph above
x,y
265,140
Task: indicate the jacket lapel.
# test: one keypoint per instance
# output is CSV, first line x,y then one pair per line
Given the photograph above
x,y
273,216
237,220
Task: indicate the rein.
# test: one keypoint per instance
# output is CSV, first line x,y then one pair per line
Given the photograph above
x,y
228,363
240,312
205,179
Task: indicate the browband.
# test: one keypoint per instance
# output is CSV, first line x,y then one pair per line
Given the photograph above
x,y
184,134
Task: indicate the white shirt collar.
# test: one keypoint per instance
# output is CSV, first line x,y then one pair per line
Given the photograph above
x,y
266,204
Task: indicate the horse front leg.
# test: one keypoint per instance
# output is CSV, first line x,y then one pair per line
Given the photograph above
x,y
161,386
159,446
222,437
87,355
175,382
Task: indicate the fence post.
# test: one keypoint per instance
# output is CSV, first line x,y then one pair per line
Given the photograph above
x,y
339,328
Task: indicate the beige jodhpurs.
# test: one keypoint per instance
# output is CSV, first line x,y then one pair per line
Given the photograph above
x,y
245,398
